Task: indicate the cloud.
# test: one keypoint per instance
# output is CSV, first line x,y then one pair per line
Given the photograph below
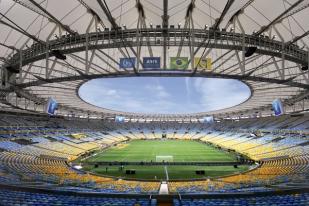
x,y
158,90
188,93
221,93
111,92
164,95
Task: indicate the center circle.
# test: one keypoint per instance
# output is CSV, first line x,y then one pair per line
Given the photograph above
x,y
164,95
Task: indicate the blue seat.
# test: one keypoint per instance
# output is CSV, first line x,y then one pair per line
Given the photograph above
x,y
10,197
275,200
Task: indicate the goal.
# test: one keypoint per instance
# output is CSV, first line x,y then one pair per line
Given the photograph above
x,y
166,158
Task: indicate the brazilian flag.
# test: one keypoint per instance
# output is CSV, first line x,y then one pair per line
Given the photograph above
x,y
179,63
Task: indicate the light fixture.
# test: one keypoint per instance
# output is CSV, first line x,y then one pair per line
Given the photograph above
x,y
249,51
304,68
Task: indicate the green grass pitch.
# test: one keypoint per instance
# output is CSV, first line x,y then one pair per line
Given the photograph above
x,y
174,172
147,150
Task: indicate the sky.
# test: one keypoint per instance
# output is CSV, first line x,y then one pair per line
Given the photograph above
x,y
164,95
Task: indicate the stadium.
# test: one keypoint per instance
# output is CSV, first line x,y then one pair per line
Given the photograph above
x,y
140,102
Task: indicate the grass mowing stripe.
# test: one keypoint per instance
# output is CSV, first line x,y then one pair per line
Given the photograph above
x,y
181,150
147,150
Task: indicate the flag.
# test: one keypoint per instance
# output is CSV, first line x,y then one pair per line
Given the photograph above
x,y
203,63
277,107
127,63
51,106
151,63
179,63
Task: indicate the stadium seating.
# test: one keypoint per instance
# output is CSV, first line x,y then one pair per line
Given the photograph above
x,y
38,151
290,199
33,168
10,197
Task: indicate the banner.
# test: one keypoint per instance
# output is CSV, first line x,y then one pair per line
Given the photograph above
x,y
277,107
126,63
208,119
179,63
51,106
151,63
203,63
119,119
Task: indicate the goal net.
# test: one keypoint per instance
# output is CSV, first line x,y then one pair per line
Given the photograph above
x,y
167,158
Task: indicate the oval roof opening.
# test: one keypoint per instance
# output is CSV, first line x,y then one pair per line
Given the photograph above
x,y
164,95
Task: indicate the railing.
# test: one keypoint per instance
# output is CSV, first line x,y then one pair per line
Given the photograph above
x,y
154,37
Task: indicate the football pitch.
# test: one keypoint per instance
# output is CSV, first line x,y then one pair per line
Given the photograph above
x,y
150,150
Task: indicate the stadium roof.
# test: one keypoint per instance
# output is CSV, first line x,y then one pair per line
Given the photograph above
x,y
35,36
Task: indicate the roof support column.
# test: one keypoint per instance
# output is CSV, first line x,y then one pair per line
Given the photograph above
x,y
282,53
47,70
141,23
139,38
242,61
191,41
188,20
280,72
87,45
165,18
93,23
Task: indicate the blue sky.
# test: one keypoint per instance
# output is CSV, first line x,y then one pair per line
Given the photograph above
x,y
164,95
